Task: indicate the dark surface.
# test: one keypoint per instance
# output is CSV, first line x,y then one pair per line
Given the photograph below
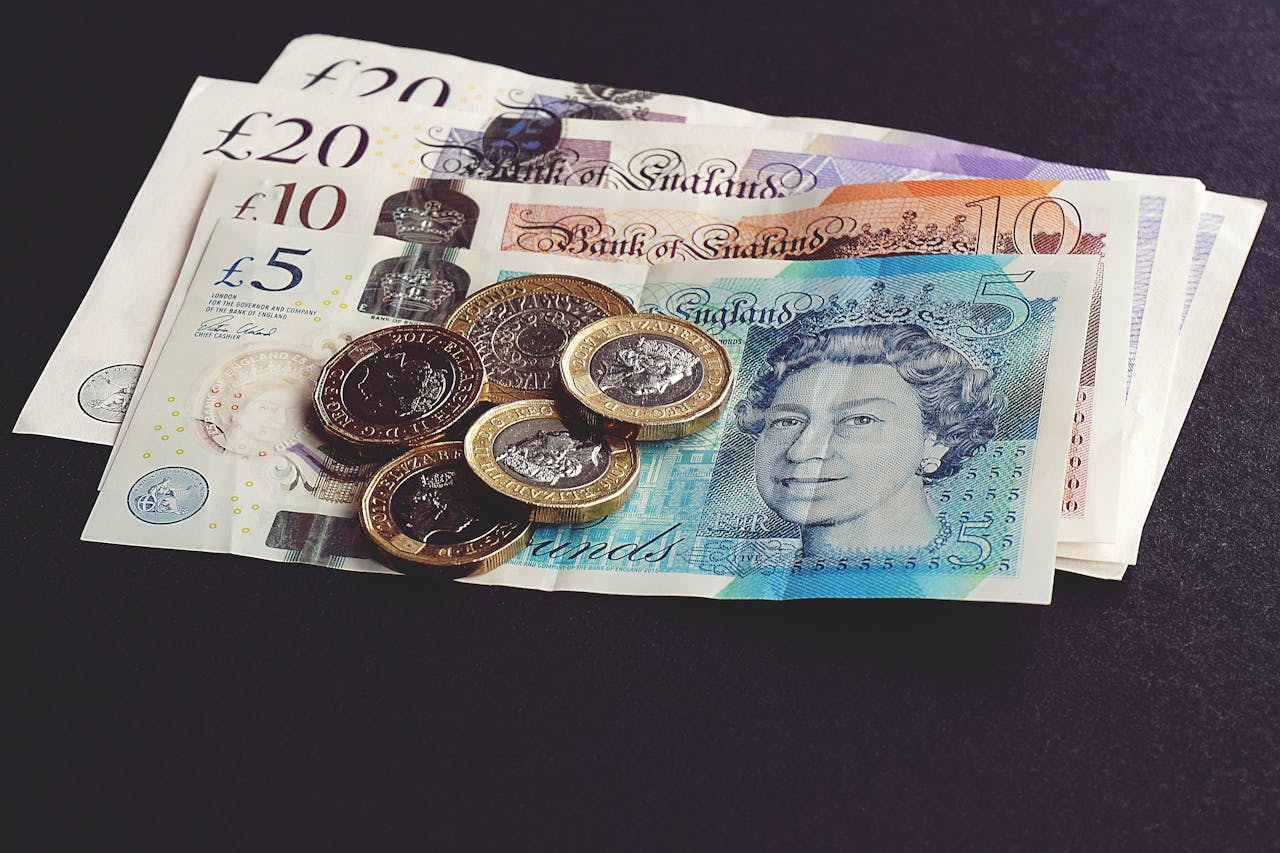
x,y
186,701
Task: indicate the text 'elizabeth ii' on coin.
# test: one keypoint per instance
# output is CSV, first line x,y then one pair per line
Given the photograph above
x,y
647,376
399,386
429,515
520,328
563,470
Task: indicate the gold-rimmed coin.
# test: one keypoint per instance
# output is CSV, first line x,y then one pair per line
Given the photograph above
x,y
520,328
647,376
429,515
564,471
400,386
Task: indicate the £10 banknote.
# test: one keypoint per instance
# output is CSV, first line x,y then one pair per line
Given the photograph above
x,y
812,485
867,220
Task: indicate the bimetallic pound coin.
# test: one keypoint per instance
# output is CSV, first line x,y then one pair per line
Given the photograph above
x,y
647,376
563,470
399,386
520,328
429,515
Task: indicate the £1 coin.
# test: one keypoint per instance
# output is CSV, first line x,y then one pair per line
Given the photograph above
x,y
428,514
563,470
647,376
400,386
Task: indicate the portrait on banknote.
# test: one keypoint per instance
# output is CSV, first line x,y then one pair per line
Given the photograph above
x,y
851,423
879,431
256,408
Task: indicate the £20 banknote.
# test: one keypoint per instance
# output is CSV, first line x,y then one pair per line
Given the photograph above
x,y
225,122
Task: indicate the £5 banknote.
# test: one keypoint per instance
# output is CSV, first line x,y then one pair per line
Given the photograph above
x,y
222,455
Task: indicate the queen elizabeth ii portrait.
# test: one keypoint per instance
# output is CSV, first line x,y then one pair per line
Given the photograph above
x,y
852,423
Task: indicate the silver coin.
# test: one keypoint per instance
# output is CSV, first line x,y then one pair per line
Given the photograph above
x,y
646,370
520,339
543,452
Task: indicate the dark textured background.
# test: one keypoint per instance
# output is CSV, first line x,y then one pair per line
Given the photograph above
x,y
189,701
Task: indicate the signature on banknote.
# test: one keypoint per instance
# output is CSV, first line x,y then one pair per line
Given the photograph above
x,y
225,325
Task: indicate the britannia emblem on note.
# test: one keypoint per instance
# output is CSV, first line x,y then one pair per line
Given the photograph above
x,y
168,495
104,396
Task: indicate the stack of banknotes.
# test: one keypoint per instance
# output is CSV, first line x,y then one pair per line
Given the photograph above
x,y
957,368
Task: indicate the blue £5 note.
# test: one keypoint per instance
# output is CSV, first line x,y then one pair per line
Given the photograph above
x,y
895,430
